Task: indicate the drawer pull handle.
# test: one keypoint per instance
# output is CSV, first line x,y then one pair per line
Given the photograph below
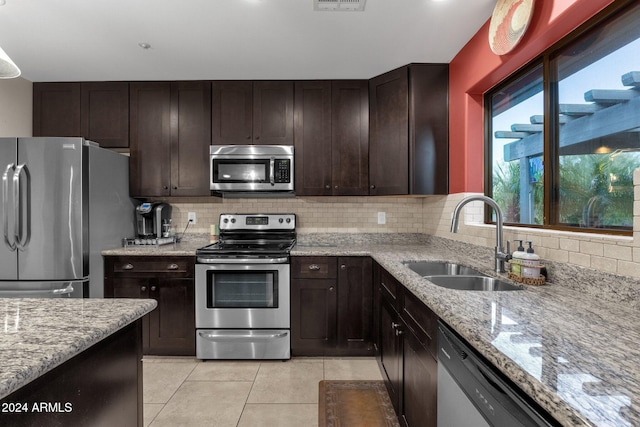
x,y
143,288
153,289
314,267
173,267
343,266
127,267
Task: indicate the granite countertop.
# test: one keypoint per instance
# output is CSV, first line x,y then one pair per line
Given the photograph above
x,y
575,353
572,344
40,334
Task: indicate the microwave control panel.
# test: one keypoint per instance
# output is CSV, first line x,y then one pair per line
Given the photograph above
x,y
282,171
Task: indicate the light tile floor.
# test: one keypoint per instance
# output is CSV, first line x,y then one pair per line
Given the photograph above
x,y
182,391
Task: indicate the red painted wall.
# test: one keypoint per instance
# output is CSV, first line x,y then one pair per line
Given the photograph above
x,y
476,69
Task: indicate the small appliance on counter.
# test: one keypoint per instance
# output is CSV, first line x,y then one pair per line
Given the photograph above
x,y
153,225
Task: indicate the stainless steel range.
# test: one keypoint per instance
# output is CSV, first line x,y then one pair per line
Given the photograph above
x,y
242,289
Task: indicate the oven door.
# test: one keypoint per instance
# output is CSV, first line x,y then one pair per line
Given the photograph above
x,y
238,296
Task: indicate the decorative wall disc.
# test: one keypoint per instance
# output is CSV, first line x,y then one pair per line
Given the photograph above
x,y
509,22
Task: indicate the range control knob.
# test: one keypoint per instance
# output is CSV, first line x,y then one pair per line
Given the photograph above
x,y
233,220
288,220
280,220
226,220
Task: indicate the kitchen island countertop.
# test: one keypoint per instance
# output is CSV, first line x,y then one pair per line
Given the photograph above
x,y
572,344
41,334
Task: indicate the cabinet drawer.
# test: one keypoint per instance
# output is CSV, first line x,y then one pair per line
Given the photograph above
x,y
314,267
144,265
422,321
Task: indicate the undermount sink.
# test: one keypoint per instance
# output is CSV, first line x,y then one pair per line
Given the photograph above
x,y
440,268
455,276
472,283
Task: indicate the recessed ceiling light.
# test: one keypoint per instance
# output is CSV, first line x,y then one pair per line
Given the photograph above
x,y
3,2
143,45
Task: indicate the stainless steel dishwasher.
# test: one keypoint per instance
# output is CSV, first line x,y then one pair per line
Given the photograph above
x,y
472,393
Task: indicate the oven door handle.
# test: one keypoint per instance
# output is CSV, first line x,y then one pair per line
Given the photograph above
x,y
256,335
206,260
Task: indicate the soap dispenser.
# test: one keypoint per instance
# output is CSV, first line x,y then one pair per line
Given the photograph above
x,y
516,259
531,263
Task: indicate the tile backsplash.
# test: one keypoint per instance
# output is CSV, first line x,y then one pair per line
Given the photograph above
x,y
314,214
429,215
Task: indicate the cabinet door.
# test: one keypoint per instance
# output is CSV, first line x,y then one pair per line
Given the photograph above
x,y
190,138
149,167
389,147
172,323
313,316
105,113
56,109
312,129
355,306
232,112
129,287
350,137
429,128
390,347
273,112
420,383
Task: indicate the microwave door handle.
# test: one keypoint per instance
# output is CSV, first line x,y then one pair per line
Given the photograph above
x,y
272,171
5,205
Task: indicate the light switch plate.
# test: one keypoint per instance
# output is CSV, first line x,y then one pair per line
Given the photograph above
x,y
382,217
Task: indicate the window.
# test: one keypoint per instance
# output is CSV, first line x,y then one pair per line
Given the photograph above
x,y
565,133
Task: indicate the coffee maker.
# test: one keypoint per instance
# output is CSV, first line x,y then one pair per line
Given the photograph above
x,y
153,220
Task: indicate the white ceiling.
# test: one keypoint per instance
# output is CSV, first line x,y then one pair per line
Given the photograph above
x,y
95,40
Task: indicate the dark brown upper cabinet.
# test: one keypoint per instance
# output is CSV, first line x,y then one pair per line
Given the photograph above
x,y
409,136
170,125
252,112
97,111
331,137
104,114
56,109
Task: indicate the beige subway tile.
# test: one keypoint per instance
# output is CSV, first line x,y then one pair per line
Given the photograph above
x,y
550,242
628,268
569,245
580,259
609,265
557,255
592,248
623,253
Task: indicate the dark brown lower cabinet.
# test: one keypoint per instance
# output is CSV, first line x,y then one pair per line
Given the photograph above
x,y
102,387
406,351
170,328
331,306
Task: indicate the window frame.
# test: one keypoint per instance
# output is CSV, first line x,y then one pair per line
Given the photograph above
x,y
551,125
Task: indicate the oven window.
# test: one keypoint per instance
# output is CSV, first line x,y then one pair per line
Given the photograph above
x,y
241,171
239,289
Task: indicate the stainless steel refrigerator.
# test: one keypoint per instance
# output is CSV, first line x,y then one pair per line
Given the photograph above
x,y
64,200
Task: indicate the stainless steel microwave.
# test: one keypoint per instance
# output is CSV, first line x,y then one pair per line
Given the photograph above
x,y
251,168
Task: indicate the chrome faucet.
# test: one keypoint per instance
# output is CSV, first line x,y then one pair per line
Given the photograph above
x,y
500,255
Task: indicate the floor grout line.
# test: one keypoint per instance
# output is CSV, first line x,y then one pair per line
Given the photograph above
x,y
261,366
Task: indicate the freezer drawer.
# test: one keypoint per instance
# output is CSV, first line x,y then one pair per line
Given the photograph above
x,y
243,344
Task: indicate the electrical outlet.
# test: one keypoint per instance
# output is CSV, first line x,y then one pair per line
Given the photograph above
x,y
191,217
382,217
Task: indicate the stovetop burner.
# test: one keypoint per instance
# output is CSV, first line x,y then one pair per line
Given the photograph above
x,y
252,236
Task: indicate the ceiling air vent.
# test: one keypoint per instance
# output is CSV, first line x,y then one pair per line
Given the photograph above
x,y
339,5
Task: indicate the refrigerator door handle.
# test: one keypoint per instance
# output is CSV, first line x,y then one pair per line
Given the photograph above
x,y
10,241
22,207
